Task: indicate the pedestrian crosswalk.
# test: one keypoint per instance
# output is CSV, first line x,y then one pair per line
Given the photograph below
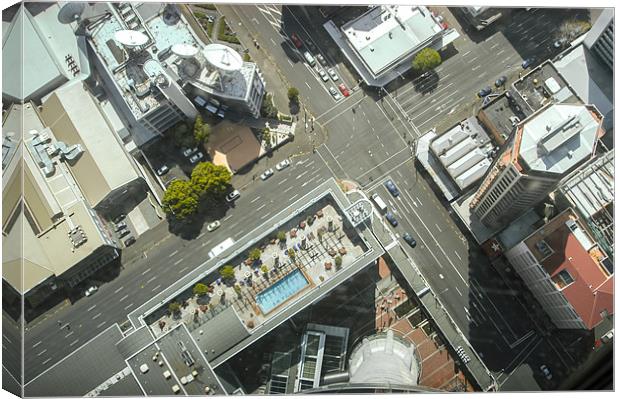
x,y
272,14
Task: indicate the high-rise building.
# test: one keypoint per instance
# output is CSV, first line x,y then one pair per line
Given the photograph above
x,y
600,38
544,148
567,272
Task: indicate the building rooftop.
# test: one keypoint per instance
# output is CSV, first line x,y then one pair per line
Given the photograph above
x,y
588,77
104,166
559,137
464,151
385,34
543,85
576,264
500,116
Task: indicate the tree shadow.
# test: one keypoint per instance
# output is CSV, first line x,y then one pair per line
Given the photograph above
x,y
426,83
293,107
190,228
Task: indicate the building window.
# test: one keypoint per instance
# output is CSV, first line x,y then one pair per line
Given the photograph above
x,y
563,279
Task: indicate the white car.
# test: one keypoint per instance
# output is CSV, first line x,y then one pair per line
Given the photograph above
x,y
213,226
196,157
334,93
233,196
163,170
266,174
546,372
283,165
91,290
332,74
323,75
189,151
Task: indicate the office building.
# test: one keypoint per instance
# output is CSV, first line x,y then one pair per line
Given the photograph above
x,y
381,43
567,271
545,147
600,39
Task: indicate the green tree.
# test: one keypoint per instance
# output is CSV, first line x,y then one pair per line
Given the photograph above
x,y
227,273
338,260
174,308
255,254
180,199
281,235
291,253
426,60
247,57
293,94
202,130
210,180
267,109
200,289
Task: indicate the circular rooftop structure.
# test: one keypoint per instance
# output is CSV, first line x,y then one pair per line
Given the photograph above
x,y
131,38
184,50
70,12
223,57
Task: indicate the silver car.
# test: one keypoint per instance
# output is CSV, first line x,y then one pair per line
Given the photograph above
x,y
323,75
266,174
334,93
332,74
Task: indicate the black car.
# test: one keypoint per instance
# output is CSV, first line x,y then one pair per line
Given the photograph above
x,y
485,92
123,233
391,187
390,218
118,218
130,241
501,81
409,240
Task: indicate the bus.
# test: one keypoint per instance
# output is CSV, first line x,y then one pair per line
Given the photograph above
x,y
221,247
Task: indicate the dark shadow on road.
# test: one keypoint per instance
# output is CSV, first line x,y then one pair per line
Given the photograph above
x,y
191,228
426,83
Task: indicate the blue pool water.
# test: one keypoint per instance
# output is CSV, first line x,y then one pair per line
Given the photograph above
x,y
281,291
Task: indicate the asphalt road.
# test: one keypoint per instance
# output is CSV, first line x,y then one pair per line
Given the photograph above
x,y
49,340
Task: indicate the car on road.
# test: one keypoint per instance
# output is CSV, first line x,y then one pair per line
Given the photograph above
x,y
334,93
323,75
210,18
296,40
120,226
283,164
119,218
309,58
162,171
213,226
196,157
391,218
559,43
500,81
321,59
343,89
233,196
123,233
332,74
266,174
189,151
409,240
546,372
91,290
527,62
130,241
391,187
485,92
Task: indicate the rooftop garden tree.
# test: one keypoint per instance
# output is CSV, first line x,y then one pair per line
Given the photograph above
x,y
267,109
174,308
255,254
426,60
180,199
201,289
281,235
227,273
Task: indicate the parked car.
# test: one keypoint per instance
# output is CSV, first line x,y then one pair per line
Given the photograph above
x,y
296,40
391,187
119,218
559,43
323,75
309,58
334,93
391,218
189,151
210,18
283,164
527,62
233,196
514,120
123,233
321,59
120,226
130,241
213,226
344,90
501,81
546,372
266,174
196,157
332,74
485,92
409,240
91,290
162,171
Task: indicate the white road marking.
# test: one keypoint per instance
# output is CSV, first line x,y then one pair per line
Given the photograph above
x,y
226,218
282,181
96,316
255,199
293,197
47,360
173,253
475,68
146,271
272,41
68,335
301,175
264,216
261,207
310,88
178,261
37,344
457,254
466,53
128,306
91,308
118,290
289,189
42,352
151,279
156,288
101,324
184,269
457,290
200,235
438,228
123,298
74,342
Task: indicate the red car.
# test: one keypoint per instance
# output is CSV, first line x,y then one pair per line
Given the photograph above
x,y
296,40
344,90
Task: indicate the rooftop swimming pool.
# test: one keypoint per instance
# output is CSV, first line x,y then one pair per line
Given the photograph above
x,y
278,293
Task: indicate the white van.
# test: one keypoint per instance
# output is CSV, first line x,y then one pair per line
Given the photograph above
x,y
309,58
379,203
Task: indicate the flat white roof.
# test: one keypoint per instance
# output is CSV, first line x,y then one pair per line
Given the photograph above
x,y
559,138
385,34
